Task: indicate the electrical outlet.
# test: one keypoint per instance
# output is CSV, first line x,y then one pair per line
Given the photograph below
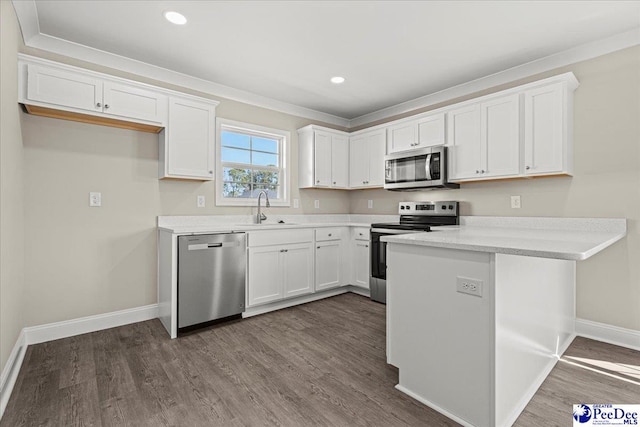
x,y
469,286
370,204
95,199
515,202
201,201
316,204
296,203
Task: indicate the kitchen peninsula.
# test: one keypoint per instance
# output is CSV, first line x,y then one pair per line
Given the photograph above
x,y
478,314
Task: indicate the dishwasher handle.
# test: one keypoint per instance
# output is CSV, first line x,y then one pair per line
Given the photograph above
x,y
203,246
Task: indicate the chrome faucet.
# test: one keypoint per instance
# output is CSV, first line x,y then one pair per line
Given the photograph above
x,y
261,217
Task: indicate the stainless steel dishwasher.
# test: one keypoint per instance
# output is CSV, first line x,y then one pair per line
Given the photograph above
x,y
211,277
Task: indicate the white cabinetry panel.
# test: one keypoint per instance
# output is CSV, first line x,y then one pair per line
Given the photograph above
x,y
366,159
63,88
328,264
133,102
297,269
189,147
464,142
500,142
264,275
544,136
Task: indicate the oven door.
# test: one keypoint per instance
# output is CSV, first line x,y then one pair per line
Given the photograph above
x,y
379,250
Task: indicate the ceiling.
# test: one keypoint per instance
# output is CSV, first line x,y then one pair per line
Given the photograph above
x,y
389,52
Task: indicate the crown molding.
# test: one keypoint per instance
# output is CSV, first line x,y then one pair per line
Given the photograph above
x,y
28,19
560,59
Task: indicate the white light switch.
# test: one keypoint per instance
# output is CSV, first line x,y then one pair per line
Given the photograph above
x,y
201,201
296,203
316,204
515,202
95,199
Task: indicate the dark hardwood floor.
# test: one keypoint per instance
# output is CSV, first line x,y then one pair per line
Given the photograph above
x,y
321,363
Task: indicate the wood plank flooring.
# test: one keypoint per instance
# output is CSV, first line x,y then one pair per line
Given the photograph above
x,y
321,363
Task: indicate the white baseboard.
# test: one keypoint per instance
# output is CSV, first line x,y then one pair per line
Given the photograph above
x,y
433,406
11,370
83,325
261,309
615,335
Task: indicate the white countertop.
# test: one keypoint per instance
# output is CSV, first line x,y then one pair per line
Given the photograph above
x,y
220,228
567,244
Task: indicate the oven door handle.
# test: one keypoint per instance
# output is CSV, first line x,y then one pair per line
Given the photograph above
x,y
427,167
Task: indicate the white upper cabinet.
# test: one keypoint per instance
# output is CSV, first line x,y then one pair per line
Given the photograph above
x,y
133,102
339,161
84,93
366,159
425,131
62,89
402,137
187,145
500,136
464,150
484,140
547,118
323,158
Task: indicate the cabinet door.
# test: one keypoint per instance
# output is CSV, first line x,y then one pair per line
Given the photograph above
x,y
431,131
190,140
402,137
500,146
358,161
339,161
64,89
543,131
361,261
322,163
376,143
328,266
265,275
298,269
464,142
134,102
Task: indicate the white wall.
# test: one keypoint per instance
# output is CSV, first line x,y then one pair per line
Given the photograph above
x,y
11,199
606,183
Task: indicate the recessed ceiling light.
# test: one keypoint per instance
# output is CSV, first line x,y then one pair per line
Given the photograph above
x,y
337,80
175,17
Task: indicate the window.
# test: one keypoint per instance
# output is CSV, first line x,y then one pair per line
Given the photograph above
x,y
251,159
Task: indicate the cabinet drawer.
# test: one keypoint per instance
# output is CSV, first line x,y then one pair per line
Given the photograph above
x,y
324,234
280,237
361,233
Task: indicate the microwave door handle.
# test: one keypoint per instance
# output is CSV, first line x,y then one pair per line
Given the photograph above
x,y
427,167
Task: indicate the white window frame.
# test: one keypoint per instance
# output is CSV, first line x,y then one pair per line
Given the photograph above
x,y
282,135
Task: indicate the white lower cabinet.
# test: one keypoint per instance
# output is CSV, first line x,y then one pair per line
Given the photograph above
x,y
280,265
361,257
330,265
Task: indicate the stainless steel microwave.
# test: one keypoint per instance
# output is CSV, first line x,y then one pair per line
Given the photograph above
x,y
422,169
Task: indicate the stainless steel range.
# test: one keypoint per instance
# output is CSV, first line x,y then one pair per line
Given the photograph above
x,y
415,217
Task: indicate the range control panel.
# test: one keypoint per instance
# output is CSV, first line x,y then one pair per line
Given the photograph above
x,y
428,208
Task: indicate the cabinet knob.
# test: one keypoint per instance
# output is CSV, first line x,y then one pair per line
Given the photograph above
x,y
334,183
98,105
366,246
527,167
477,171
482,171
318,181
106,106
210,172
329,234
317,247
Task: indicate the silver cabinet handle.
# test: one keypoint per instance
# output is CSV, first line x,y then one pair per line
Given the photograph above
x,y
106,106
318,247
366,246
329,234
334,183
98,105
482,171
477,171
528,167
210,172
